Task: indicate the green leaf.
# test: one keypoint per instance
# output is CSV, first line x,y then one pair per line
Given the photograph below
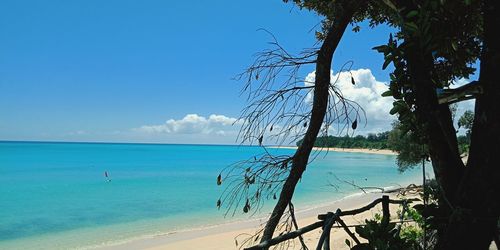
x,y
394,110
381,48
348,243
411,26
387,93
362,246
362,232
388,60
412,14
393,77
390,4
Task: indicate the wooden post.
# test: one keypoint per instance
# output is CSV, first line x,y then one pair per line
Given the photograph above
x,y
346,228
386,216
326,244
324,239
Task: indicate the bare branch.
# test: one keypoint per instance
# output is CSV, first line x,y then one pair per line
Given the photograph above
x,y
253,180
322,221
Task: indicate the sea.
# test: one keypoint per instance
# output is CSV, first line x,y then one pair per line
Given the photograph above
x,y
58,195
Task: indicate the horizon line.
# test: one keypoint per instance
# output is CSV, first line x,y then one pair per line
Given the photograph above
x,y
137,143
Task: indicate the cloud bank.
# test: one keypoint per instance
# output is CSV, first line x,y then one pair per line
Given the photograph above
x,y
367,92
193,124
217,128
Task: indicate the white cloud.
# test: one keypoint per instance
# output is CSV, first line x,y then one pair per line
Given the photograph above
x,y
77,133
367,93
193,124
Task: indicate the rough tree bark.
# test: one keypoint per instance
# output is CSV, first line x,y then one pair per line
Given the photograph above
x,y
471,193
320,104
474,221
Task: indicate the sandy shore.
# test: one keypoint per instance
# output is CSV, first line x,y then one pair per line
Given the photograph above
x,y
348,150
223,237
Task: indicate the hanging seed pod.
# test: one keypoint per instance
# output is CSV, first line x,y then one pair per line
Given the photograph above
x,y
236,242
305,124
352,81
274,196
256,76
284,164
246,208
218,203
219,180
271,129
355,124
260,140
248,169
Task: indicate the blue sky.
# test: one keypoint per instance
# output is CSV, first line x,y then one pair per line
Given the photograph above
x,y
109,70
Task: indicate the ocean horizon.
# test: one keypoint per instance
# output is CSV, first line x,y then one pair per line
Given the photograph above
x,y
80,195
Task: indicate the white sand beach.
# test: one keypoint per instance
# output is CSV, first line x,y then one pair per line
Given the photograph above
x,y
223,237
347,150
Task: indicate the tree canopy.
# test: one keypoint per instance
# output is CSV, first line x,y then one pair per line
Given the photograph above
x,y
370,141
436,42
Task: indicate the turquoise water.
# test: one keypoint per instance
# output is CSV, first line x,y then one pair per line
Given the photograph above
x,y
55,195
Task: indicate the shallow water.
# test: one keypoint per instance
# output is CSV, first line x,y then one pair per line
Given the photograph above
x,y
55,195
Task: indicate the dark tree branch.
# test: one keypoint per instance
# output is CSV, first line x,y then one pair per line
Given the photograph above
x,y
296,225
320,103
323,217
346,228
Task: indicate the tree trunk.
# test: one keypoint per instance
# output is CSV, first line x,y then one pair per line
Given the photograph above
x,y
320,104
475,221
435,122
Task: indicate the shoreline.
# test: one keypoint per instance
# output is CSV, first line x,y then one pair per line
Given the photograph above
x,y
346,150
223,236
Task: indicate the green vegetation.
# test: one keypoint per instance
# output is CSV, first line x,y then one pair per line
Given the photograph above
x,y
434,43
371,141
466,121
406,143
400,139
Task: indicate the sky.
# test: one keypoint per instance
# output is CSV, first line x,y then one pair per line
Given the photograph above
x,y
157,71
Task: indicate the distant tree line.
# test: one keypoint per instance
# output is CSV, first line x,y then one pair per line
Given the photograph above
x,y
432,44
371,141
399,139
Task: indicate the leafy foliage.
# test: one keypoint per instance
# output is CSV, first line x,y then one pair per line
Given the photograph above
x,y
383,236
435,43
452,40
408,145
371,141
466,121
